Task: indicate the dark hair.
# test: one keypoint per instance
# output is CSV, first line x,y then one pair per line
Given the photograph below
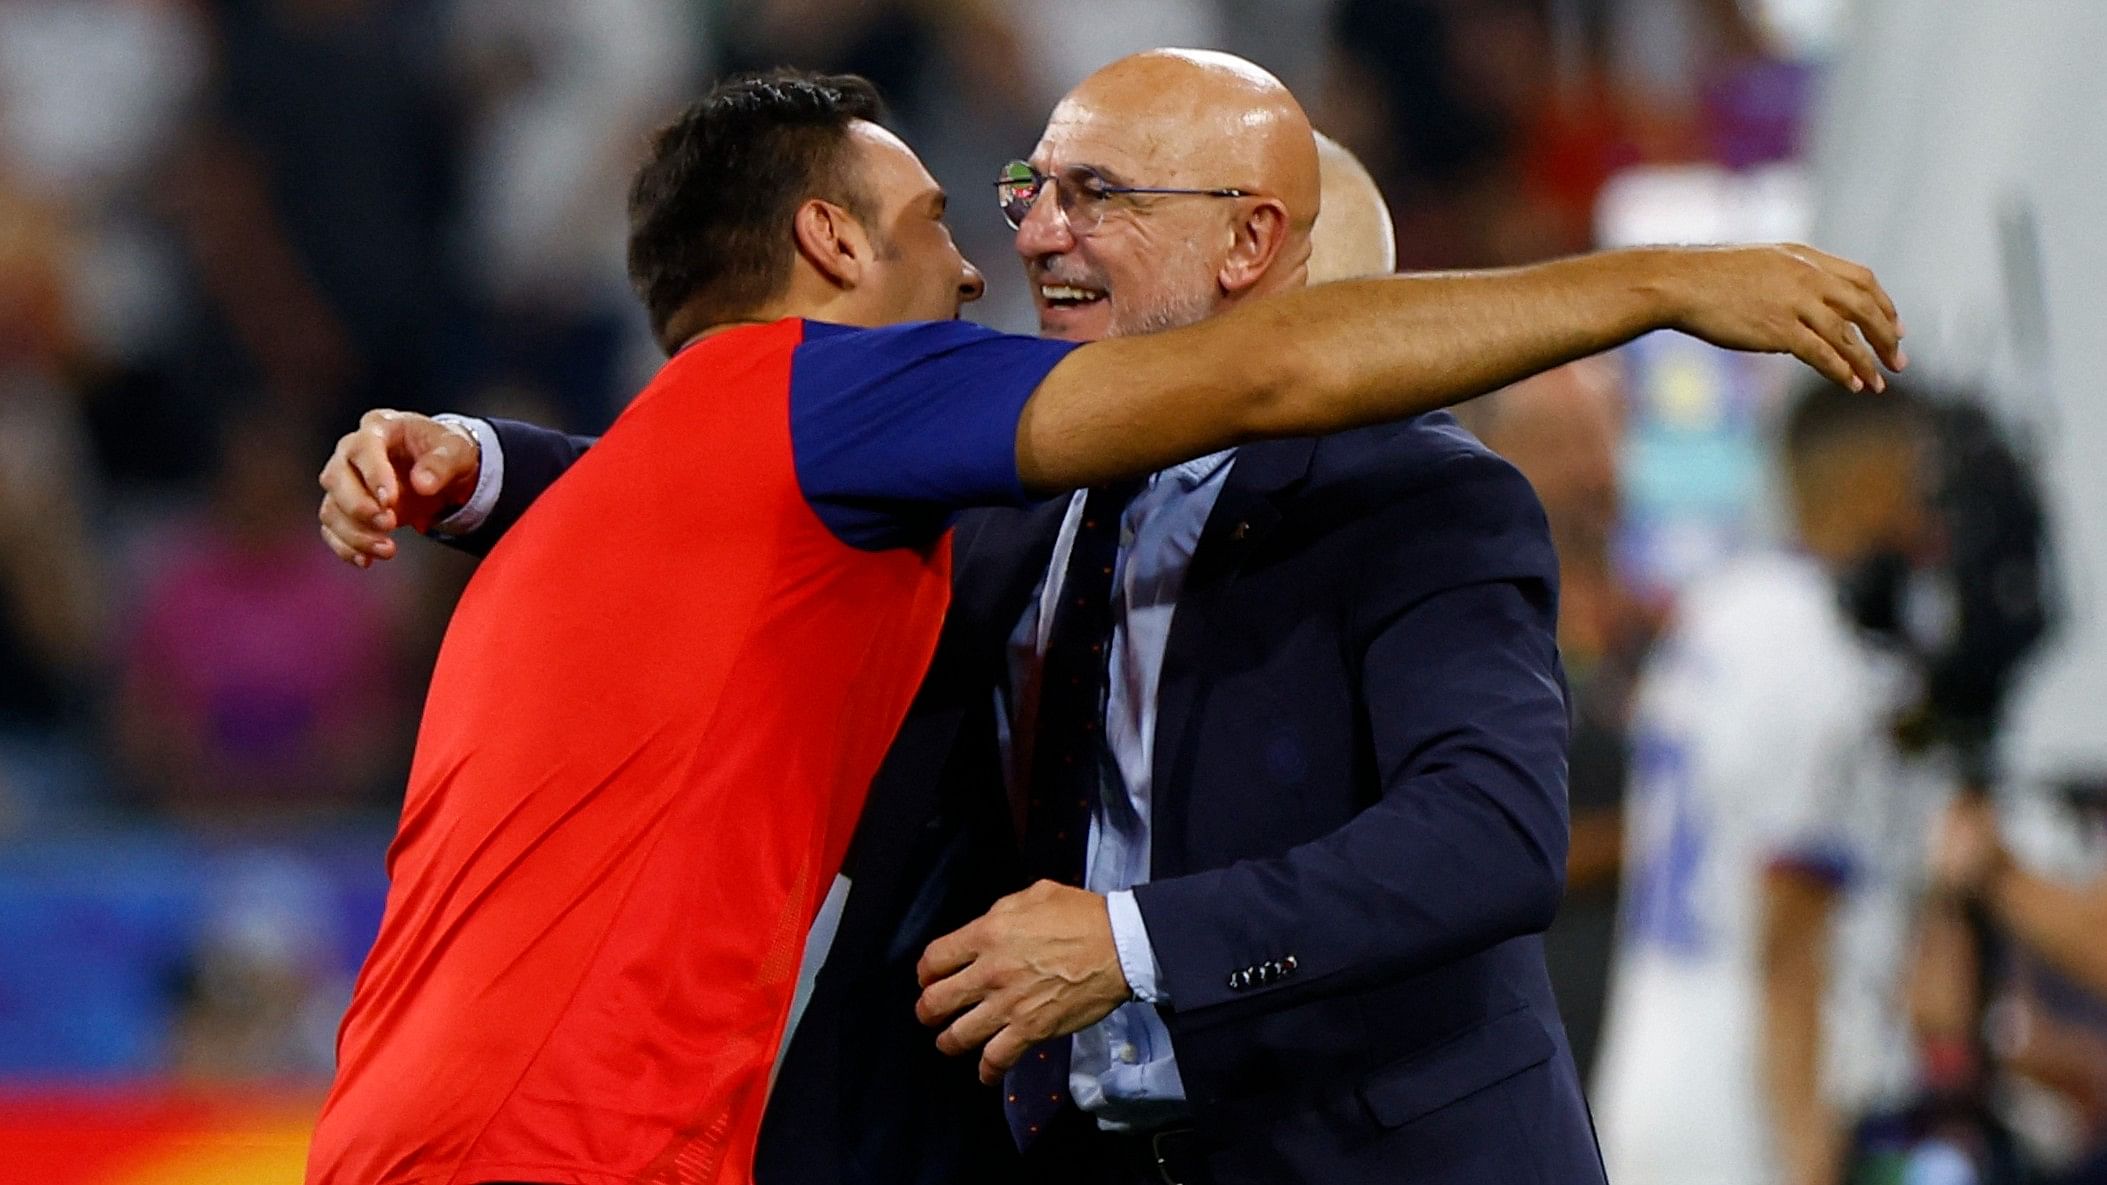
x,y
710,210
1826,414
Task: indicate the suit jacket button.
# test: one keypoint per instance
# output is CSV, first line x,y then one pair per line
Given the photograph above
x,y
1236,981
1287,965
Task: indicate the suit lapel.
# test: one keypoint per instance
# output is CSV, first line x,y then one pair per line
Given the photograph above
x,y
1248,510
998,559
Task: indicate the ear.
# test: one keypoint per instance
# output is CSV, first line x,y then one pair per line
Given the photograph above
x,y
1260,235
831,240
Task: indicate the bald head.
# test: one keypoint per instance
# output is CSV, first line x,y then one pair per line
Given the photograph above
x,y
1205,119
1236,151
1354,236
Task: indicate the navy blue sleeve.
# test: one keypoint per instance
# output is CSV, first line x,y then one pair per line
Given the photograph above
x,y
897,429
534,458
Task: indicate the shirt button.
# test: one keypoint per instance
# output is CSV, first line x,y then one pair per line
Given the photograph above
x,y
1129,1054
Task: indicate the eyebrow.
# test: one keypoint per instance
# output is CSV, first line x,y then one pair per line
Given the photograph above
x,y
1108,176
1070,171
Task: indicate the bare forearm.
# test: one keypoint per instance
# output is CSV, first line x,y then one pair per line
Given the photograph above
x,y
1804,1125
1794,956
1342,355
1381,349
1321,360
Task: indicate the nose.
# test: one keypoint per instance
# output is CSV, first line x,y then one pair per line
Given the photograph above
x,y
1045,229
971,284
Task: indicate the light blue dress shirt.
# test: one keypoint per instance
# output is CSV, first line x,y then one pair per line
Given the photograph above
x,y
1121,1069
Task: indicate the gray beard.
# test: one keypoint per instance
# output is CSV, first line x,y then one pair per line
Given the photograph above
x,y
1172,313
1180,307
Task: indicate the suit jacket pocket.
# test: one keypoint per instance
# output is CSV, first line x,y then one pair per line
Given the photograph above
x,y
1456,1068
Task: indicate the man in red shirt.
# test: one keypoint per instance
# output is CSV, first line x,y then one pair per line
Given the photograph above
x,y
662,697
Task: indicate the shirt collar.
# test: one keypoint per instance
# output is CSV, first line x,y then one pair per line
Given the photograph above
x,y
1194,473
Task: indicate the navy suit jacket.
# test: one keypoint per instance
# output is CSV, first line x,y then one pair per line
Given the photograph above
x,y
1359,834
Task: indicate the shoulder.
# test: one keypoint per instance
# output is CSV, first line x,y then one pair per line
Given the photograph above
x,y
1422,460
915,342
1418,508
1435,484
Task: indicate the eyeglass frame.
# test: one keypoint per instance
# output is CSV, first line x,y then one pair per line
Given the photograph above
x,y
1104,189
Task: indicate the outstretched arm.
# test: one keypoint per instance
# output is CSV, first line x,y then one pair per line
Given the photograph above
x,y
1341,355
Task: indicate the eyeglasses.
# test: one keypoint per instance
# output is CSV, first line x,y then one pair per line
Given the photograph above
x,y
1083,193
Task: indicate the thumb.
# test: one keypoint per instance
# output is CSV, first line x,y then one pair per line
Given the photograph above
x,y
445,461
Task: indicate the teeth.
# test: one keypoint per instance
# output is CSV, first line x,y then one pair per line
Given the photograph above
x,y
1063,292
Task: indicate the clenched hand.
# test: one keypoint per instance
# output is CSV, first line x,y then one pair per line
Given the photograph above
x,y
397,467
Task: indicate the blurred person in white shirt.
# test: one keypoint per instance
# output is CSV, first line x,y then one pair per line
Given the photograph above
x,y
1773,838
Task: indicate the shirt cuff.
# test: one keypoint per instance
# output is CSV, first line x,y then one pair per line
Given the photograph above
x,y
490,478
1137,958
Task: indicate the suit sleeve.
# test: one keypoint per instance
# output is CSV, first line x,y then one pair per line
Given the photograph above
x,y
534,458
897,429
1465,713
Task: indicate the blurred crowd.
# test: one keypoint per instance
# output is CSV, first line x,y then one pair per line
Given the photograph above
x,y
231,225
228,226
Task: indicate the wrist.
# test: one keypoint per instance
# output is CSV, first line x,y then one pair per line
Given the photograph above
x,y
470,499
462,488
1655,295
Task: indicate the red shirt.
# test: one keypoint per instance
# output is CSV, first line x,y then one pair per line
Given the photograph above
x,y
648,737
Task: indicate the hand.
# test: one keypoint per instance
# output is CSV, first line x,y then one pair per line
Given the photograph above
x,y
1967,852
397,467
1038,965
1830,313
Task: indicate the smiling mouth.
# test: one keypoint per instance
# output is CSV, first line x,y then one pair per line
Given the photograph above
x,y
1067,296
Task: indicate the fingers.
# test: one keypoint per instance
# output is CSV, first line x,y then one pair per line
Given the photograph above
x,y
949,996
1875,324
1859,296
1810,347
947,955
973,1030
346,485
448,455
368,453
344,551
1003,1052
354,540
1843,339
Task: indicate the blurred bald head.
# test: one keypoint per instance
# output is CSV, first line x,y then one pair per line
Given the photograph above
x,y
1171,119
1563,429
1354,236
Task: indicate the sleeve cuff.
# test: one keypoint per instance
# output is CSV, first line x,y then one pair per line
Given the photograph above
x,y
1137,957
490,479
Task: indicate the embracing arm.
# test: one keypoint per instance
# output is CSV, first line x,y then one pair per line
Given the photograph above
x,y
520,460
1342,355
466,481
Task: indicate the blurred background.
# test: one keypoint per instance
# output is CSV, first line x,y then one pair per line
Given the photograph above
x,y
228,226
